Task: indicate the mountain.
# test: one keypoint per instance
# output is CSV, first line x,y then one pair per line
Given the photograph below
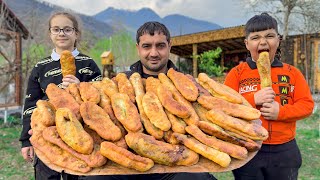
x,y
132,20
35,14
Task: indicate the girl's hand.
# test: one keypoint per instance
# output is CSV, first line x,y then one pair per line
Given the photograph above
x,y
265,95
270,111
68,79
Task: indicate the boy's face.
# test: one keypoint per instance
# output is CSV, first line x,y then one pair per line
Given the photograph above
x,y
267,40
154,53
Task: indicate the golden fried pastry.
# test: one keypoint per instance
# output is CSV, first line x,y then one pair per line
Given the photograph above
x,y
60,98
125,87
126,112
89,93
228,136
155,112
169,138
244,128
264,69
98,120
221,158
169,103
137,83
111,87
233,150
68,65
152,84
73,89
105,101
194,118
202,91
58,156
161,152
125,158
200,110
43,116
95,159
177,124
235,110
217,89
184,85
72,132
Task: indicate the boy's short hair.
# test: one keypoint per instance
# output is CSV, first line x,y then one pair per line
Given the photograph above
x,y
152,27
260,23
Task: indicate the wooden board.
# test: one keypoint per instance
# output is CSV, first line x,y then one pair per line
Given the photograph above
x,y
204,165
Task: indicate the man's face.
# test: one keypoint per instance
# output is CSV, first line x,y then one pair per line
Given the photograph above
x,y
267,40
154,53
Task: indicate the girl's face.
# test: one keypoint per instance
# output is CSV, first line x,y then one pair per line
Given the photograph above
x,y
267,40
64,39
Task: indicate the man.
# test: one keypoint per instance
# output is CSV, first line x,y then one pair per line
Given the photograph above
x,y
153,46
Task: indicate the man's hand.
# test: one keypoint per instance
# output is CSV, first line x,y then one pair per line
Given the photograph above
x,y
68,79
270,111
265,95
27,153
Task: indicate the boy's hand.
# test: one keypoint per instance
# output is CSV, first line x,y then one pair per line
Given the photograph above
x,y
265,95
68,79
270,111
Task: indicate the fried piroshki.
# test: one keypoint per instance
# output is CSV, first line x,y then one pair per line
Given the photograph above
x,y
233,150
152,84
215,130
264,69
184,85
138,87
94,159
125,158
73,89
42,116
235,110
98,120
60,98
58,156
177,124
111,87
161,152
193,118
126,112
217,89
67,62
125,87
202,91
169,138
89,93
221,158
105,101
200,110
239,126
169,103
155,112
71,131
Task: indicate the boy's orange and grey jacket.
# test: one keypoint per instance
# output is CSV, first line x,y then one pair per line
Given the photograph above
x,y
292,94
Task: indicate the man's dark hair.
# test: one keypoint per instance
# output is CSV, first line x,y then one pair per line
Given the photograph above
x,y
260,23
151,28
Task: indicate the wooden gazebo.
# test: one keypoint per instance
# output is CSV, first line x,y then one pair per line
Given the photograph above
x,y
230,40
11,30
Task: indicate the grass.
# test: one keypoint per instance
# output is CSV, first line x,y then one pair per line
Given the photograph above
x,y
12,165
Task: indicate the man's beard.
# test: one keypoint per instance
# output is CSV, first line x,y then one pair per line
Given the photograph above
x,y
155,69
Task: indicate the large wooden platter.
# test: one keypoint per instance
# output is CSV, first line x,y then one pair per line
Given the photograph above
x,y
204,165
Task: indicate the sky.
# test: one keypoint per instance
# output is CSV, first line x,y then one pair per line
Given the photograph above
x,y
226,13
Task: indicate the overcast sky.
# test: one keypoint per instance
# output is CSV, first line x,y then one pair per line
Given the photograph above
x,y
226,13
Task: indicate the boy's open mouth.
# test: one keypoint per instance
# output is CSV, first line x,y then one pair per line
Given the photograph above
x,y
263,50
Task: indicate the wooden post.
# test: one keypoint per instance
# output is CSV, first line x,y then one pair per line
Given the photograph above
x,y
195,60
18,73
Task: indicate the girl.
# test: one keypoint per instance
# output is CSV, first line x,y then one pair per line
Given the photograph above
x,y
64,33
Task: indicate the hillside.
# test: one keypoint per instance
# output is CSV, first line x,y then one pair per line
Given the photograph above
x,y
177,24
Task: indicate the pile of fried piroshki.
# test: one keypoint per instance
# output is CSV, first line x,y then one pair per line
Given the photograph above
x,y
135,122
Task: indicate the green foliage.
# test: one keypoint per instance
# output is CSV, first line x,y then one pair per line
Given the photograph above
x,y
207,63
31,55
121,44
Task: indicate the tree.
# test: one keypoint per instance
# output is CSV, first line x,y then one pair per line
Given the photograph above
x,y
292,15
207,63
